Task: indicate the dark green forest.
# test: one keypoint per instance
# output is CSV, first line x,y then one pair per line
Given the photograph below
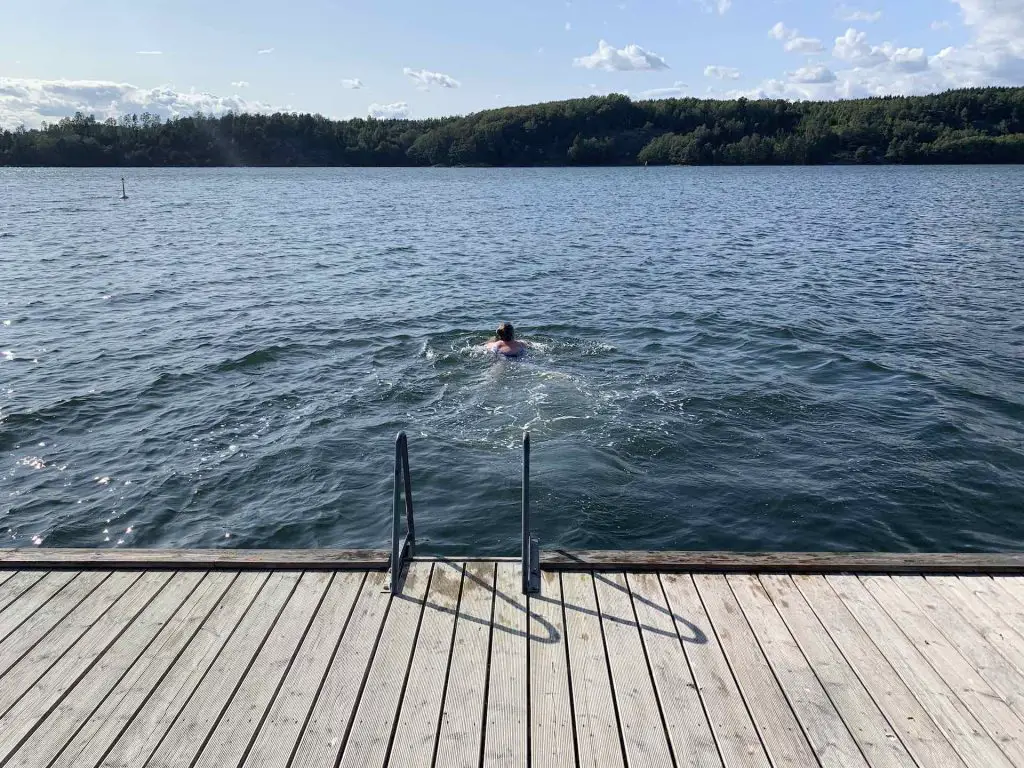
x,y
975,125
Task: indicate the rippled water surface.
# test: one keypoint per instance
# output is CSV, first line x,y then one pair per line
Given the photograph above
x,y
751,358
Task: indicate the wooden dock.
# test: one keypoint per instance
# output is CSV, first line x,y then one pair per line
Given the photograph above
x,y
303,659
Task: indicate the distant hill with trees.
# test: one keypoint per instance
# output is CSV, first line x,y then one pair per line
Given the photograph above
x,y
974,125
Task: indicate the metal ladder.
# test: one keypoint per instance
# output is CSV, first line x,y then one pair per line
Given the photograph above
x,y
402,548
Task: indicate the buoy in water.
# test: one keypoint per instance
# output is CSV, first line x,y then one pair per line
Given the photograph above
x,y
124,194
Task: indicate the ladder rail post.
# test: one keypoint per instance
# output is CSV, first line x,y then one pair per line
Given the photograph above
x,y
401,548
409,522
531,547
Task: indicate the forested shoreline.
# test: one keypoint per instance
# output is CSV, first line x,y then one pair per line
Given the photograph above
x,y
975,125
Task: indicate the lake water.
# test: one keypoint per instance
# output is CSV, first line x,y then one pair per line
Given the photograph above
x,y
734,358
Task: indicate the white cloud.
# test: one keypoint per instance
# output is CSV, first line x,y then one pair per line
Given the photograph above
x,y
795,42
722,73
240,83
994,55
719,6
424,78
265,51
677,91
851,14
149,53
815,73
997,24
804,45
852,46
937,25
397,111
631,58
568,27
29,102
353,83
906,59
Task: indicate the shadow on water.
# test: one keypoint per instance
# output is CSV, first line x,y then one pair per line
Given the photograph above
x,y
551,633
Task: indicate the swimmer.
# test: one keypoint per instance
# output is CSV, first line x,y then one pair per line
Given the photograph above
x,y
506,343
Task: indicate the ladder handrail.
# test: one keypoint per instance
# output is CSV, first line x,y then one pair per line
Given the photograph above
x,y
530,553
401,548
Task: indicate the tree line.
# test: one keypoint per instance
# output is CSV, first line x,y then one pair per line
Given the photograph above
x,y
973,125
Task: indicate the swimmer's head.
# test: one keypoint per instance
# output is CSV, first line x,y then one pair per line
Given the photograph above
x,y
506,332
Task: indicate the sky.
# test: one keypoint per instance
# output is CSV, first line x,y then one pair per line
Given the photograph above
x,y
407,58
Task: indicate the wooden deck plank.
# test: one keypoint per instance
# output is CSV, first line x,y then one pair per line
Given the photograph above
x,y
782,562
879,740
1008,585
129,668
41,655
975,747
968,596
376,712
279,735
70,691
55,558
827,732
416,732
147,726
187,735
459,742
551,720
229,741
31,600
1001,594
735,735
508,723
981,700
111,715
14,587
643,730
780,730
39,624
922,737
976,636
325,732
693,743
597,724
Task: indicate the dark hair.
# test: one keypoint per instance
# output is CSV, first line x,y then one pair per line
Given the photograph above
x,y
506,332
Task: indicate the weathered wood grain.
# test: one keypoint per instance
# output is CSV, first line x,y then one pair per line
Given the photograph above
x,y
727,712
459,741
110,716
328,725
597,722
280,732
643,732
782,562
147,725
506,738
551,725
54,558
975,747
416,732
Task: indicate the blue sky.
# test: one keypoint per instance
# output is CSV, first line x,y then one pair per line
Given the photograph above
x,y
416,59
